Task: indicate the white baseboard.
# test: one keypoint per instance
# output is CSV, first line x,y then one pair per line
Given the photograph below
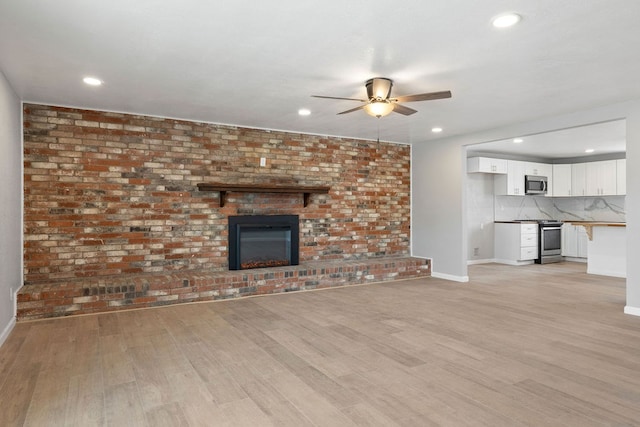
x,y
449,277
480,261
573,259
443,275
610,273
7,330
512,262
634,311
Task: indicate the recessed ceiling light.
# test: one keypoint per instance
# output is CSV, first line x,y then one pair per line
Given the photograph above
x,y
506,20
304,112
517,140
92,81
436,130
589,150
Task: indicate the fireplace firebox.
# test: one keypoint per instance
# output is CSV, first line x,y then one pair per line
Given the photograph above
x,y
261,241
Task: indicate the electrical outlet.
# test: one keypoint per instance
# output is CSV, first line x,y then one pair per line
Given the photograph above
x,y
476,251
263,161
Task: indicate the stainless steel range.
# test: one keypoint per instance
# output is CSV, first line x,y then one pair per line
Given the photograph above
x,y
549,241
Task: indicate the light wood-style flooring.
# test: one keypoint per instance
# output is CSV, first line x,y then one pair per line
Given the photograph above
x,y
534,345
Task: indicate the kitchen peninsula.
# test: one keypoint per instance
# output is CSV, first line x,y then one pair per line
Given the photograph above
x,y
606,248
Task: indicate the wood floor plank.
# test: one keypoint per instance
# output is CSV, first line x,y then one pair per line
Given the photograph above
x,y
16,393
200,413
123,406
51,391
169,415
116,363
85,401
281,412
245,412
312,404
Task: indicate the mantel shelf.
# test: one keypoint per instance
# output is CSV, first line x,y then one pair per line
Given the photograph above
x,y
223,189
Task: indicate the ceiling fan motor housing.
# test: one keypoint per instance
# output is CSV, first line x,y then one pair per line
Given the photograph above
x,y
378,88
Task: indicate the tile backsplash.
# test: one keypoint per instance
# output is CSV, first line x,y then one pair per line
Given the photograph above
x,y
601,208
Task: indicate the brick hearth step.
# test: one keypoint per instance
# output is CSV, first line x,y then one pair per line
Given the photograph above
x,y
102,294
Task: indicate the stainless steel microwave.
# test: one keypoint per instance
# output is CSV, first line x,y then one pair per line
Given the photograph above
x,y
534,184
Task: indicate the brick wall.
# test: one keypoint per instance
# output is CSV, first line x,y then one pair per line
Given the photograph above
x,y
115,194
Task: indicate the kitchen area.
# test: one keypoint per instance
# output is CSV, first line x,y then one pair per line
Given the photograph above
x,y
552,197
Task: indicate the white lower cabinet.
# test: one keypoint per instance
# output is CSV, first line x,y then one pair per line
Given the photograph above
x,y
574,241
516,243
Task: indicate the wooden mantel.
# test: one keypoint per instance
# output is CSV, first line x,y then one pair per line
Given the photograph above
x,y
223,189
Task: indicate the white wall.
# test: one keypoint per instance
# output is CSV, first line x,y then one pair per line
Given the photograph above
x,y
632,205
10,204
438,215
480,217
438,191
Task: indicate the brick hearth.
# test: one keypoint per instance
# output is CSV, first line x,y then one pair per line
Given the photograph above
x,y
90,295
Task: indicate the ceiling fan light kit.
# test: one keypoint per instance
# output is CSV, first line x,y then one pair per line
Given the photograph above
x,y
378,108
379,102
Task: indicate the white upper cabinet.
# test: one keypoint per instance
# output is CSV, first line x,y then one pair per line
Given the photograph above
x,y
579,179
601,178
538,169
486,165
621,175
562,180
511,184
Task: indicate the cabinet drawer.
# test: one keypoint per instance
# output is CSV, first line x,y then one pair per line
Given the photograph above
x,y
529,253
529,228
527,240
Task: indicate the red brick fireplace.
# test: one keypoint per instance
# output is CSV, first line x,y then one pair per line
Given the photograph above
x,y
113,216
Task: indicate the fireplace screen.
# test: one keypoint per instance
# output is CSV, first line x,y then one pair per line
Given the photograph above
x,y
260,241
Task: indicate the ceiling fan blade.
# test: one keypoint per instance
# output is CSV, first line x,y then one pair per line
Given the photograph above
x,y
352,110
337,97
424,96
403,110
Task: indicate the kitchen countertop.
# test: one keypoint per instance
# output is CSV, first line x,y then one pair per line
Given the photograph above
x,y
585,223
588,225
598,223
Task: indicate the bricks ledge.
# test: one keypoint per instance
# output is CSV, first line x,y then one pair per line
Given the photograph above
x,y
104,294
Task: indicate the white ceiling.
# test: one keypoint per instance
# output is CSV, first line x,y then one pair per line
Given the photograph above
x,y
255,63
602,138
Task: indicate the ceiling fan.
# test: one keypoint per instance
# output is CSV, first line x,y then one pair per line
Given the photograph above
x,y
378,103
